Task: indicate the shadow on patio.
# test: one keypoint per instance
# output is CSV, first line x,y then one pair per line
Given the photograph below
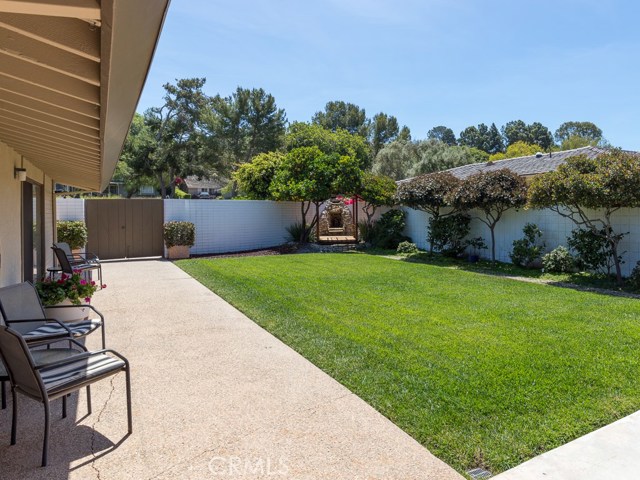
x,y
214,396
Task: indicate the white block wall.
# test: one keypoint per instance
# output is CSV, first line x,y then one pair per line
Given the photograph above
x,y
234,225
70,208
555,229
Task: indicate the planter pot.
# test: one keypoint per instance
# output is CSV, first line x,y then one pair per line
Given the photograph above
x,y
178,251
75,313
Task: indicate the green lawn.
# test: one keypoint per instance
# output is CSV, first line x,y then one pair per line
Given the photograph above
x,y
483,371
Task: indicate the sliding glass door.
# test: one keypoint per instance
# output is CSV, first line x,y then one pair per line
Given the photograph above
x,y
32,231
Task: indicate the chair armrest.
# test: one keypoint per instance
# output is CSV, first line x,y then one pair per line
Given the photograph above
x,y
80,356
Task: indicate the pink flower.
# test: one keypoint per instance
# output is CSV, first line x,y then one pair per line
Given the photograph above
x,y
83,282
104,286
92,282
87,299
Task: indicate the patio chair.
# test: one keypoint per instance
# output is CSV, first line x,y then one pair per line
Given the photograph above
x,y
55,380
86,257
42,357
21,309
68,267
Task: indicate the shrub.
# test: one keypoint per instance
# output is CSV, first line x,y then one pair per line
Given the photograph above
x,y
475,245
634,278
594,253
72,232
367,230
527,249
387,231
559,260
407,248
182,195
179,233
446,234
295,232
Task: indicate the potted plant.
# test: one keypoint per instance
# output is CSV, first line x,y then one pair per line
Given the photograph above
x,y
66,290
179,237
73,232
475,245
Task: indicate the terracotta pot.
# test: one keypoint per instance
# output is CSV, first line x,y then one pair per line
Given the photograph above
x,y
178,251
75,314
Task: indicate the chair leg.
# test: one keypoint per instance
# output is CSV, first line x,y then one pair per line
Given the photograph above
x,y
45,445
3,394
64,406
104,335
14,416
129,416
89,399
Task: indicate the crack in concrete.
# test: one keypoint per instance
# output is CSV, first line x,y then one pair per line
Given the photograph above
x,y
95,424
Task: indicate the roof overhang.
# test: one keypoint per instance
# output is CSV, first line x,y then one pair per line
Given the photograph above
x,y
71,74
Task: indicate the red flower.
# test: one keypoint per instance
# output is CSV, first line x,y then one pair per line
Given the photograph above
x,y
104,286
87,299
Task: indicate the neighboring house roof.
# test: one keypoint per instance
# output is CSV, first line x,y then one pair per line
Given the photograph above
x,y
525,166
195,182
529,165
71,74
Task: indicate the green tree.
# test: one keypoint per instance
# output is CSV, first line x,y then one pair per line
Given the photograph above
x,y
443,134
487,139
396,160
582,134
339,115
518,131
254,178
517,149
429,193
384,129
493,193
176,145
405,134
244,124
376,191
340,142
310,176
589,192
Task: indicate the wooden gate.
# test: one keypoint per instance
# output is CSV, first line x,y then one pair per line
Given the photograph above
x,y
125,228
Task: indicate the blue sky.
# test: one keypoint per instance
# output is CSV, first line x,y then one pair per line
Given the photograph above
x,y
431,62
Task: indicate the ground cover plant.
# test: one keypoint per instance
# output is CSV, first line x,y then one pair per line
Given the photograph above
x,y
482,370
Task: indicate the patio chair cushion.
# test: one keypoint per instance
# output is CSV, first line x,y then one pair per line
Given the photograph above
x,y
78,329
84,368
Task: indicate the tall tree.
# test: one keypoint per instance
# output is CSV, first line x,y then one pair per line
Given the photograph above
x,y
341,142
535,133
443,134
345,116
246,123
589,192
517,149
384,129
254,178
492,193
588,132
376,191
487,139
174,143
405,134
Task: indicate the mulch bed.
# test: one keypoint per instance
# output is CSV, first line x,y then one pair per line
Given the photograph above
x,y
278,250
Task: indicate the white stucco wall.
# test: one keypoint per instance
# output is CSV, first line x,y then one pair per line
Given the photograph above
x,y
555,230
11,215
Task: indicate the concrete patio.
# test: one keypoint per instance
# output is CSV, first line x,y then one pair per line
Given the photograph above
x,y
214,396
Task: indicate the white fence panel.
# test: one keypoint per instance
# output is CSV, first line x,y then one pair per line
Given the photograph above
x,y
555,229
70,208
234,225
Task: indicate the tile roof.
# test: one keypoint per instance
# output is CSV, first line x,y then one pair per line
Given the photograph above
x,y
194,182
529,165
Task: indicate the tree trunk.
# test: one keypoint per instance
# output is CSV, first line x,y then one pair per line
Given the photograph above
x,y
493,242
163,187
303,233
616,262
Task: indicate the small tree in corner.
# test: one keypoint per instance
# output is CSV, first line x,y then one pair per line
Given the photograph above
x,y
589,191
493,193
376,191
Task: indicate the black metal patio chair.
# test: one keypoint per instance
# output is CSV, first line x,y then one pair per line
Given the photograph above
x,y
42,356
81,258
55,380
68,267
21,309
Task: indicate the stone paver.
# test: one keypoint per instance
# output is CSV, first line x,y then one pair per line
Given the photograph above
x,y
215,396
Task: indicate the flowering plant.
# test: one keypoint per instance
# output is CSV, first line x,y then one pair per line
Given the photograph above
x,y
73,287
